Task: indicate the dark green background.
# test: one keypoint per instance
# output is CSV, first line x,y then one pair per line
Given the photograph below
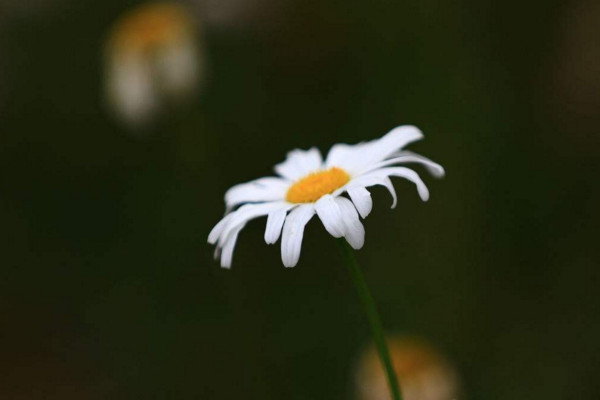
x,y
108,288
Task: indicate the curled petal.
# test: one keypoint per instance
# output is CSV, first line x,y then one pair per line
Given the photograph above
x,y
374,179
246,213
275,222
361,198
405,157
229,245
293,231
330,214
216,232
354,229
410,175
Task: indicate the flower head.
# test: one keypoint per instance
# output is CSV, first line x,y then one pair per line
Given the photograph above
x,y
154,60
308,185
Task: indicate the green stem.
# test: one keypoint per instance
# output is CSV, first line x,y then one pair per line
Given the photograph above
x,y
372,315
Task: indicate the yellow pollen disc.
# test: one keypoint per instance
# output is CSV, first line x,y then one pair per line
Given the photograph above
x,y
310,188
149,26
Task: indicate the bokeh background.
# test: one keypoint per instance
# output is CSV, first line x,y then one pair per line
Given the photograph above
x,y
108,288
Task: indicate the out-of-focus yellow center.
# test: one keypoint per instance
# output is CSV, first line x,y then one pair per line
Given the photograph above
x,y
310,188
150,25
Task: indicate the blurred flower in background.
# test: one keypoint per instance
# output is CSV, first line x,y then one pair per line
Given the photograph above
x,y
423,373
154,61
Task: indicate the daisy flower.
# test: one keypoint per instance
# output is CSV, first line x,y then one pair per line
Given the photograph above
x,y
307,185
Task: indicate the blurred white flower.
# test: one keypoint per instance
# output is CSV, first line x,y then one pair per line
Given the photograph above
x,y
153,60
307,185
423,373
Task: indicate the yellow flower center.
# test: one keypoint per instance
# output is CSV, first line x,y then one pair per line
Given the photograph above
x,y
311,187
150,26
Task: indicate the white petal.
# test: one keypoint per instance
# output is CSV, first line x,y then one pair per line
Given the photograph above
x,y
354,230
300,163
293,231
361,157
331,216
410,175
403,157
387,182
373,179
227,251
227,230
245,213
362,200
379,150
259,190
395,140
340,155
215,233
376,178
275,222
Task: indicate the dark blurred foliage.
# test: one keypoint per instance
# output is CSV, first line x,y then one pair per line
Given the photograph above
x,y
107,285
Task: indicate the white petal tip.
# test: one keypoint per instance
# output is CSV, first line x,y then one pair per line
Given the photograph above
x,y
212,238
226,266
356,246
410,132
269,240
289,264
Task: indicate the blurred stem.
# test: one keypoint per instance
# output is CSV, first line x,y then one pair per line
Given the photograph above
x,y
372,315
